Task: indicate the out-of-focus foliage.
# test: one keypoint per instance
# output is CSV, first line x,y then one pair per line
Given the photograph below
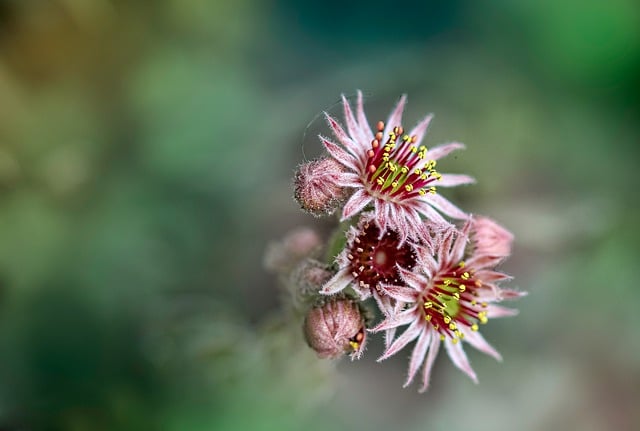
x,y
146,150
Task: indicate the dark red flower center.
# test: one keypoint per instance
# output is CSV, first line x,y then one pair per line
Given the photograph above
x,y
374,261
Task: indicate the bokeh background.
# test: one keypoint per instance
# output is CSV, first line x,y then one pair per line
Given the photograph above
x,y
146,151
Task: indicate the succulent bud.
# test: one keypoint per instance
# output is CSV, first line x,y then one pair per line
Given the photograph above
x,y
490,239
336,327
306,280
316,186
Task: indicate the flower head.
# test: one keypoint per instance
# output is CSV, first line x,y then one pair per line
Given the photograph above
x,y
445,304
316,186
392,171
335,327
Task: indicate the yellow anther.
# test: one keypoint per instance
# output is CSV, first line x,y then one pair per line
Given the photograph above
x,y
424,176
428,317
474,327
405,169
436,175
432,190
406,138
465,275
423,148
380,180
428,304
474,302
413,149
459,334
408,187
484,304
462,287
461,264
354,345
422,192
394,184
456,295
454,340
442,337
452,326
417,171
447,319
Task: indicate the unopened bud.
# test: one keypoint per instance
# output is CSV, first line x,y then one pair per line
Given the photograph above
x,y
490,239
336,327
316,186
307,279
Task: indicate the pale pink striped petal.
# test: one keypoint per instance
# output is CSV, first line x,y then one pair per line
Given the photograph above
x,y
382,217
512,294
403,318
436,153
355,204
347,179
339,154
494,311
355,131
337,283
452,180
478,342
459,358
444,206
407,336
416,282
362,119
342,136
488,276
418,354
399,293
421,128
431,357
457,250
425,209
395,118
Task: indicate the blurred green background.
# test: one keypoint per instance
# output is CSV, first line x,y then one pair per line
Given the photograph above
x,y
146,151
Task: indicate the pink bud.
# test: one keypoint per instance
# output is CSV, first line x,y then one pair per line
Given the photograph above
x,y
316,188
491,239
335,328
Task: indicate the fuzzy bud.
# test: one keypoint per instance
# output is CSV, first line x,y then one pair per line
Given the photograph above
x,y
336,327
316,186
307,279
490,239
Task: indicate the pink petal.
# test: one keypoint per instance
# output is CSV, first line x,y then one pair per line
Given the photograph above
x,y
457,250
511,294
382,218
444,206
421,128
337,282
395,118
489,276
344,139
362,119
440,151
494,311
349,180
431,357
452,180
352,126
399,293
407,336
418,354
459,359
414,280
340,155
477,341
403,318
425,209
355,204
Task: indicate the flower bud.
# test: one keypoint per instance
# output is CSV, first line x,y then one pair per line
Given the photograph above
x,y
316,186
307,279
490,239
336,327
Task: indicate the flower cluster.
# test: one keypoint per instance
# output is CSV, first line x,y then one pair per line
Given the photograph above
x,y
429,267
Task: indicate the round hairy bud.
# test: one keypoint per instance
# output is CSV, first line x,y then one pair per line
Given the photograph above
x,y
307,279
336,327
490,239
316,186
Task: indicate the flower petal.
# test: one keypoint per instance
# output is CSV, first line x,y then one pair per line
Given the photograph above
x,y
337,282
452,180
347,179
421,128
403,318
395,118
431,357
418,354
477,341
399,293
444,206
459,358
357,134
342,136
339,154
355,204
362,119
407,336
494,311
436,153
